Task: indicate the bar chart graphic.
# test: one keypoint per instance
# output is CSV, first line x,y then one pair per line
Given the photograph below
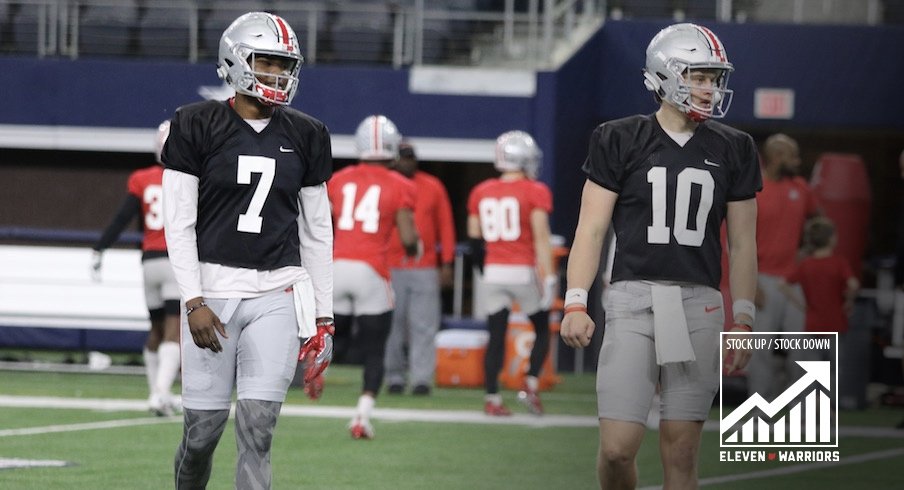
x,y
801,416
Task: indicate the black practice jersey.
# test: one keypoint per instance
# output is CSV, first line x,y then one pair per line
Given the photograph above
x,y
671,199
248,181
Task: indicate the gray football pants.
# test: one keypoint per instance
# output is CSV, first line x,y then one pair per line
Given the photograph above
x,y
415,322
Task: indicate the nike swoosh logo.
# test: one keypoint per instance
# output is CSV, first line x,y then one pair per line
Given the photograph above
x,y
711,164
285,150
710,309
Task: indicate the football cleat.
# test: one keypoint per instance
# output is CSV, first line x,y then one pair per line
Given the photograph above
x,y
360,428
495,410
530,399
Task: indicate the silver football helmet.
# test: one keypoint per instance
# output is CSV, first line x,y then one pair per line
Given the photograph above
x,y
377,138
259,34
673,54
160,139
517,150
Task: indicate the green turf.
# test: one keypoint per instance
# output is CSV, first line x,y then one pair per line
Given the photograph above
x,y
317,452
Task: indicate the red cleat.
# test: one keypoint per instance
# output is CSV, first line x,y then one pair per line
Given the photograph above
x,y
530,399
494,410
360,429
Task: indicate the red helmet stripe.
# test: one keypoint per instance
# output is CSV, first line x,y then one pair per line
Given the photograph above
x,y
283,31
714,42
377,133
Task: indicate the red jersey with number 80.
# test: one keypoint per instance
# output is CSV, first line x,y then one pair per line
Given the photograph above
x,y
147,185
365,200
504,208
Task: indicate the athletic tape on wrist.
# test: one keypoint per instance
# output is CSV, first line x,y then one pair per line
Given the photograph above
x,y
746,307
576,296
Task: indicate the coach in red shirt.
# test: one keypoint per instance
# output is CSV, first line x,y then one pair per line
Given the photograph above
x,y
416,282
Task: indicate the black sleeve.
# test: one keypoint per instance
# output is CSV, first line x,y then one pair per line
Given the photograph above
x,y
321,168
747,178
604,164
130,208
180,151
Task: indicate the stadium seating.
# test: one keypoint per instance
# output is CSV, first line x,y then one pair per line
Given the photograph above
x,y
107,30
165,31
362,36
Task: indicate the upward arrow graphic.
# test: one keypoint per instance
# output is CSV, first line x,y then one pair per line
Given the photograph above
x,y
818,371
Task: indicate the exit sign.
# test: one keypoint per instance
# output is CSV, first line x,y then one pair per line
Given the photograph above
x,y
773,103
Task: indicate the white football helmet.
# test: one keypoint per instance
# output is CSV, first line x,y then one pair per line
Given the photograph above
x,y
259,34
377,138
160,140
676,51
517,150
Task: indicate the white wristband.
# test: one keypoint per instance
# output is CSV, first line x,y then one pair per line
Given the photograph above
x,y
576,296
746,307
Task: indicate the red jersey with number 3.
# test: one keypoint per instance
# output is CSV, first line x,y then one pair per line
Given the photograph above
x,y
365,200
147,185
504,208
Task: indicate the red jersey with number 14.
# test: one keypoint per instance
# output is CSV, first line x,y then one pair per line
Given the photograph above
x,y
147,185
365,199
504,208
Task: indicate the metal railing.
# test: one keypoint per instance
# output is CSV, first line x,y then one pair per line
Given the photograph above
x,y
374,32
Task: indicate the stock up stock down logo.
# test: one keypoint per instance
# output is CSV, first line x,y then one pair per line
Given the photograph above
x,y
803,413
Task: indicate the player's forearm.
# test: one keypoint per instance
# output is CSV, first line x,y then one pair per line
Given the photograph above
x,y
597,205
129,208
742,262
315,233
180,193
543,249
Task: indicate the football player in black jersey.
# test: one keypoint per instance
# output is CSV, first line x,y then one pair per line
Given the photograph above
x,y
248,225
666,182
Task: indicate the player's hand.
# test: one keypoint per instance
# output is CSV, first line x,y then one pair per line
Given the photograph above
x,y
577,329
97,259
446,276
316,354
734,360
550,287
204,326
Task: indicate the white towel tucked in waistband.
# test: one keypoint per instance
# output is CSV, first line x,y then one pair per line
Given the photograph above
x,y
305,307
673,342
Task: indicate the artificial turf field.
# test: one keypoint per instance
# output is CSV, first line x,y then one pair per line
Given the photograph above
x,y
93,431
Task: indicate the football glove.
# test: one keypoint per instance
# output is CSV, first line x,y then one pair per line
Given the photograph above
x,y
550,288
316,354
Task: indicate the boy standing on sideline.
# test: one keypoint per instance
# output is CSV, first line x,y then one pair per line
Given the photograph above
x,y
370,204
829,286
511,215
248,226
161,293
416,283
665,182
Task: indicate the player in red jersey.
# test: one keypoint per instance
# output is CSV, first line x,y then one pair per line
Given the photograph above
x,y
416,283
369,203
161,349
511,215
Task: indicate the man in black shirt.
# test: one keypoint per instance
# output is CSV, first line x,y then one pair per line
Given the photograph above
x,y
248,226
666,182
